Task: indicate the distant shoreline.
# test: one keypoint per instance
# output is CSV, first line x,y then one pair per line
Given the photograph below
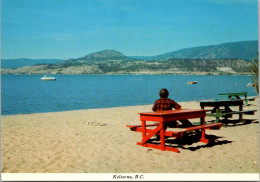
x,y
202,74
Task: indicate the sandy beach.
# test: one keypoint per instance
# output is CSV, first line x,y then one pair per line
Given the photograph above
x,y
98,141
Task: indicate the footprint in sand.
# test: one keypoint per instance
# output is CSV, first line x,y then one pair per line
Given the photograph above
x,y
95,123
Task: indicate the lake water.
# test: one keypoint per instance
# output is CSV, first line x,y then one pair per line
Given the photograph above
x,y
28,94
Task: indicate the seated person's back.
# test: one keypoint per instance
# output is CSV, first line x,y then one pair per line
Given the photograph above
x,y
164,103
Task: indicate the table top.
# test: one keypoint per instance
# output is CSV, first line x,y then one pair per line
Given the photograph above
x,y
173,112
234,93
221,103
172,115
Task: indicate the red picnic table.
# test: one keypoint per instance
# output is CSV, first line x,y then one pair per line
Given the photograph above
x,y
170,116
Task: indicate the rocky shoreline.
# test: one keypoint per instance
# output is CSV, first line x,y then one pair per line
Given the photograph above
x,y
27,71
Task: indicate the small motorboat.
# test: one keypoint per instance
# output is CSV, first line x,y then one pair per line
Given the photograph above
x,y
193,82
48,78
250,85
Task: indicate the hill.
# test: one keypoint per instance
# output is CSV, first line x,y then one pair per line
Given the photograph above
x,y
105,55
169,66
245,50
114,62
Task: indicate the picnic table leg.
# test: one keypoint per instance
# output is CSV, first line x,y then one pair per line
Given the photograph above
x,y
203,136
226,118
202,121
144,131
217,111
162,135
240,115
246,101
237,97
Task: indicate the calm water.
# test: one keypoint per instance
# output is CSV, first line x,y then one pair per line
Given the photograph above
x,y
28,94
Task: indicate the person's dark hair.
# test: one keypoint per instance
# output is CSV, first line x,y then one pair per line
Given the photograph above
x,y
164,93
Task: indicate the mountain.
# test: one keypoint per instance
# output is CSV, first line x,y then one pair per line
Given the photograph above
x,y
228,58
169,66
16,63
105,55
245,50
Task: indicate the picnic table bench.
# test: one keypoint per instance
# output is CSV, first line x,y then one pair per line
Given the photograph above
x,y
234,96
163,117
221,108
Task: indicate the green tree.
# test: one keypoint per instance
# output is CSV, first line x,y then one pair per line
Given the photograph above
x,y
255,72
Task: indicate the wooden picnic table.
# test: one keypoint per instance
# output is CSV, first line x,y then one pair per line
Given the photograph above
x,y
163,117
221,108
234,96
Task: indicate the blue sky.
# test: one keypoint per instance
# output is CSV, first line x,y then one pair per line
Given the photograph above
x,y
65,29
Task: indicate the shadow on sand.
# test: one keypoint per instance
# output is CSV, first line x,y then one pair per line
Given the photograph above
x,y
232,123
236,122
191,138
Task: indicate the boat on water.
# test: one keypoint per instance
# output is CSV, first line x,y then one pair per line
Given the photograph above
x,y
250,85
48,78
193,82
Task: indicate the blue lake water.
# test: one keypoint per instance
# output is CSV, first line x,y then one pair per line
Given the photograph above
x,y
28,94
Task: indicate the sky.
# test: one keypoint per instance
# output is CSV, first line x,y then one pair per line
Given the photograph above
x,y
63,29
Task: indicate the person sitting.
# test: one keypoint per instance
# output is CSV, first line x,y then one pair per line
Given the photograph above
x,y
164,103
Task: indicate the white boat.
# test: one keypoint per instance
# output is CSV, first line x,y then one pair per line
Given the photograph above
x,y
193,82
48,78
250,85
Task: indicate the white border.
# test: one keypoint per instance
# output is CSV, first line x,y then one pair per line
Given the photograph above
x,y
125,177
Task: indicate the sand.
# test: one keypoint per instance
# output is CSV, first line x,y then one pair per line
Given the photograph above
x,y
98,141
